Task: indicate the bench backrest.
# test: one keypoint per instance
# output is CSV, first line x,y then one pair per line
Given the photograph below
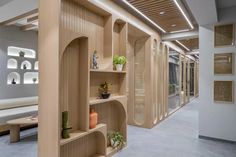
x,y
18,102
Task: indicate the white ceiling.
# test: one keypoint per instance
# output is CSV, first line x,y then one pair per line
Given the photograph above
x,y
12,8
225,3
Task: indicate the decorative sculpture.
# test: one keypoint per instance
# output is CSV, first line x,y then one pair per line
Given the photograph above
x,y
95,63
65,125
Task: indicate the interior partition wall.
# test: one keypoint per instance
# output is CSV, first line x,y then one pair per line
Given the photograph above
x,y
147,79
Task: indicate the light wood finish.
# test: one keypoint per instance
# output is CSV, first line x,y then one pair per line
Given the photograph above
x,y
28,27
16,124
33,19
20,17
172,15
224,64
224,91
191,44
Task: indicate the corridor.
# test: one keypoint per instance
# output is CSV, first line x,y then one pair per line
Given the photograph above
x,y
177,136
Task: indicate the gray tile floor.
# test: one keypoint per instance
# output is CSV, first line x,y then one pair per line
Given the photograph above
x,y
175,137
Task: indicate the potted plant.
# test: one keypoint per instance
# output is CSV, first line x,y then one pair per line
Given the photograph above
x,y
34,80
104,90
119,62
116,140
22,54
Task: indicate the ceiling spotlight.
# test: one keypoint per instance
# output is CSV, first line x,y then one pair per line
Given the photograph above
x,y
162,13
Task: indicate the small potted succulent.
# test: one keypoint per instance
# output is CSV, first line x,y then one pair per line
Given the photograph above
x,y
34,80
116,140
104,90
22,54
119,62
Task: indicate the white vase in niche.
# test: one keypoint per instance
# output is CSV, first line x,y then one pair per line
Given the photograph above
x,y
119,67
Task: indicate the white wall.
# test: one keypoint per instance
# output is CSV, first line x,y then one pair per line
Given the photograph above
x,y
216,120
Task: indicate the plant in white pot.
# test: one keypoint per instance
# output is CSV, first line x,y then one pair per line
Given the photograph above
x,y
116,140
119,62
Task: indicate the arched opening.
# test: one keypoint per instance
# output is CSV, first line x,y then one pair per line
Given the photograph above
x,y
13,78
12,63
26,65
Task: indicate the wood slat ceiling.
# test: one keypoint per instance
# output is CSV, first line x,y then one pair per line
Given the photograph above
x,y
191,44
172,15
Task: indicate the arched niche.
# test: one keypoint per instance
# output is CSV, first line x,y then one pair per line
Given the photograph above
x,y
36,65
12,64
31,78
155,83
13,78
26,65
16,51
74,73
113,114
119,37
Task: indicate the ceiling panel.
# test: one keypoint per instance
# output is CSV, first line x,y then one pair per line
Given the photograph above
x,y
192,44
163,12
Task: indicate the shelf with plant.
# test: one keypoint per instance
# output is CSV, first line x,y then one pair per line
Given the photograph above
x,y
107,71
119,62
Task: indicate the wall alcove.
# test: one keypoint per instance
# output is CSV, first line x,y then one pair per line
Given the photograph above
x,y
36,65
12,63
113,114
31,78
15,76
26,65
74,69
15,51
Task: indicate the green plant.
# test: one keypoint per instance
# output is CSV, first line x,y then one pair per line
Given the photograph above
x,y
119,60
21,54
105,87
34,79
116,140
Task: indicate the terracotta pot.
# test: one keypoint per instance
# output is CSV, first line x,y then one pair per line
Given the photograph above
x,y
93,119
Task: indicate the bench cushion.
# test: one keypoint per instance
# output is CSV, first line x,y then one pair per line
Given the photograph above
x,y
18,102
18,112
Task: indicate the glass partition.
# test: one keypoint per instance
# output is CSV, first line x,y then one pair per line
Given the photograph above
x,y
174,81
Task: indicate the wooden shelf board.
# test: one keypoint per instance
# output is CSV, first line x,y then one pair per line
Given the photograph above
x,y
111,98
98,155
111,151
78,134
107,71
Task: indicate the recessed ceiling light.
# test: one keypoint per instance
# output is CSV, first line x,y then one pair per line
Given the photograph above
x,y
162,13
174,25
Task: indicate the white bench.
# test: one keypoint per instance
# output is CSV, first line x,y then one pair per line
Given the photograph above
x,y
17,108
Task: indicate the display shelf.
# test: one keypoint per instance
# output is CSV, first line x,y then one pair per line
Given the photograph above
x,y
15,51
30,76
94,101
78,134
36,65
12,63
106,71
15,76
27,65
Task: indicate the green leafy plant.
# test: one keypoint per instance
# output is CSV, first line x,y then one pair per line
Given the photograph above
x,y
105,87
116,140
119,60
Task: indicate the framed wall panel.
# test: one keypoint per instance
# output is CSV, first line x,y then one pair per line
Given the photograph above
x,y
223,63
224,91
224,35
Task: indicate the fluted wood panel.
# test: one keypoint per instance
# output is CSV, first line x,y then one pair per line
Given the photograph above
x,y
86,146
77,20
113,114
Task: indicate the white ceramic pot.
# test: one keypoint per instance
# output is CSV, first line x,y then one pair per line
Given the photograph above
x,y
113,143
119,67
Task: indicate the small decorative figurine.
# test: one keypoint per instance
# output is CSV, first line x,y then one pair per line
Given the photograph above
x,y
22,54
95,63
24,66
65,125
13,81
93,118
